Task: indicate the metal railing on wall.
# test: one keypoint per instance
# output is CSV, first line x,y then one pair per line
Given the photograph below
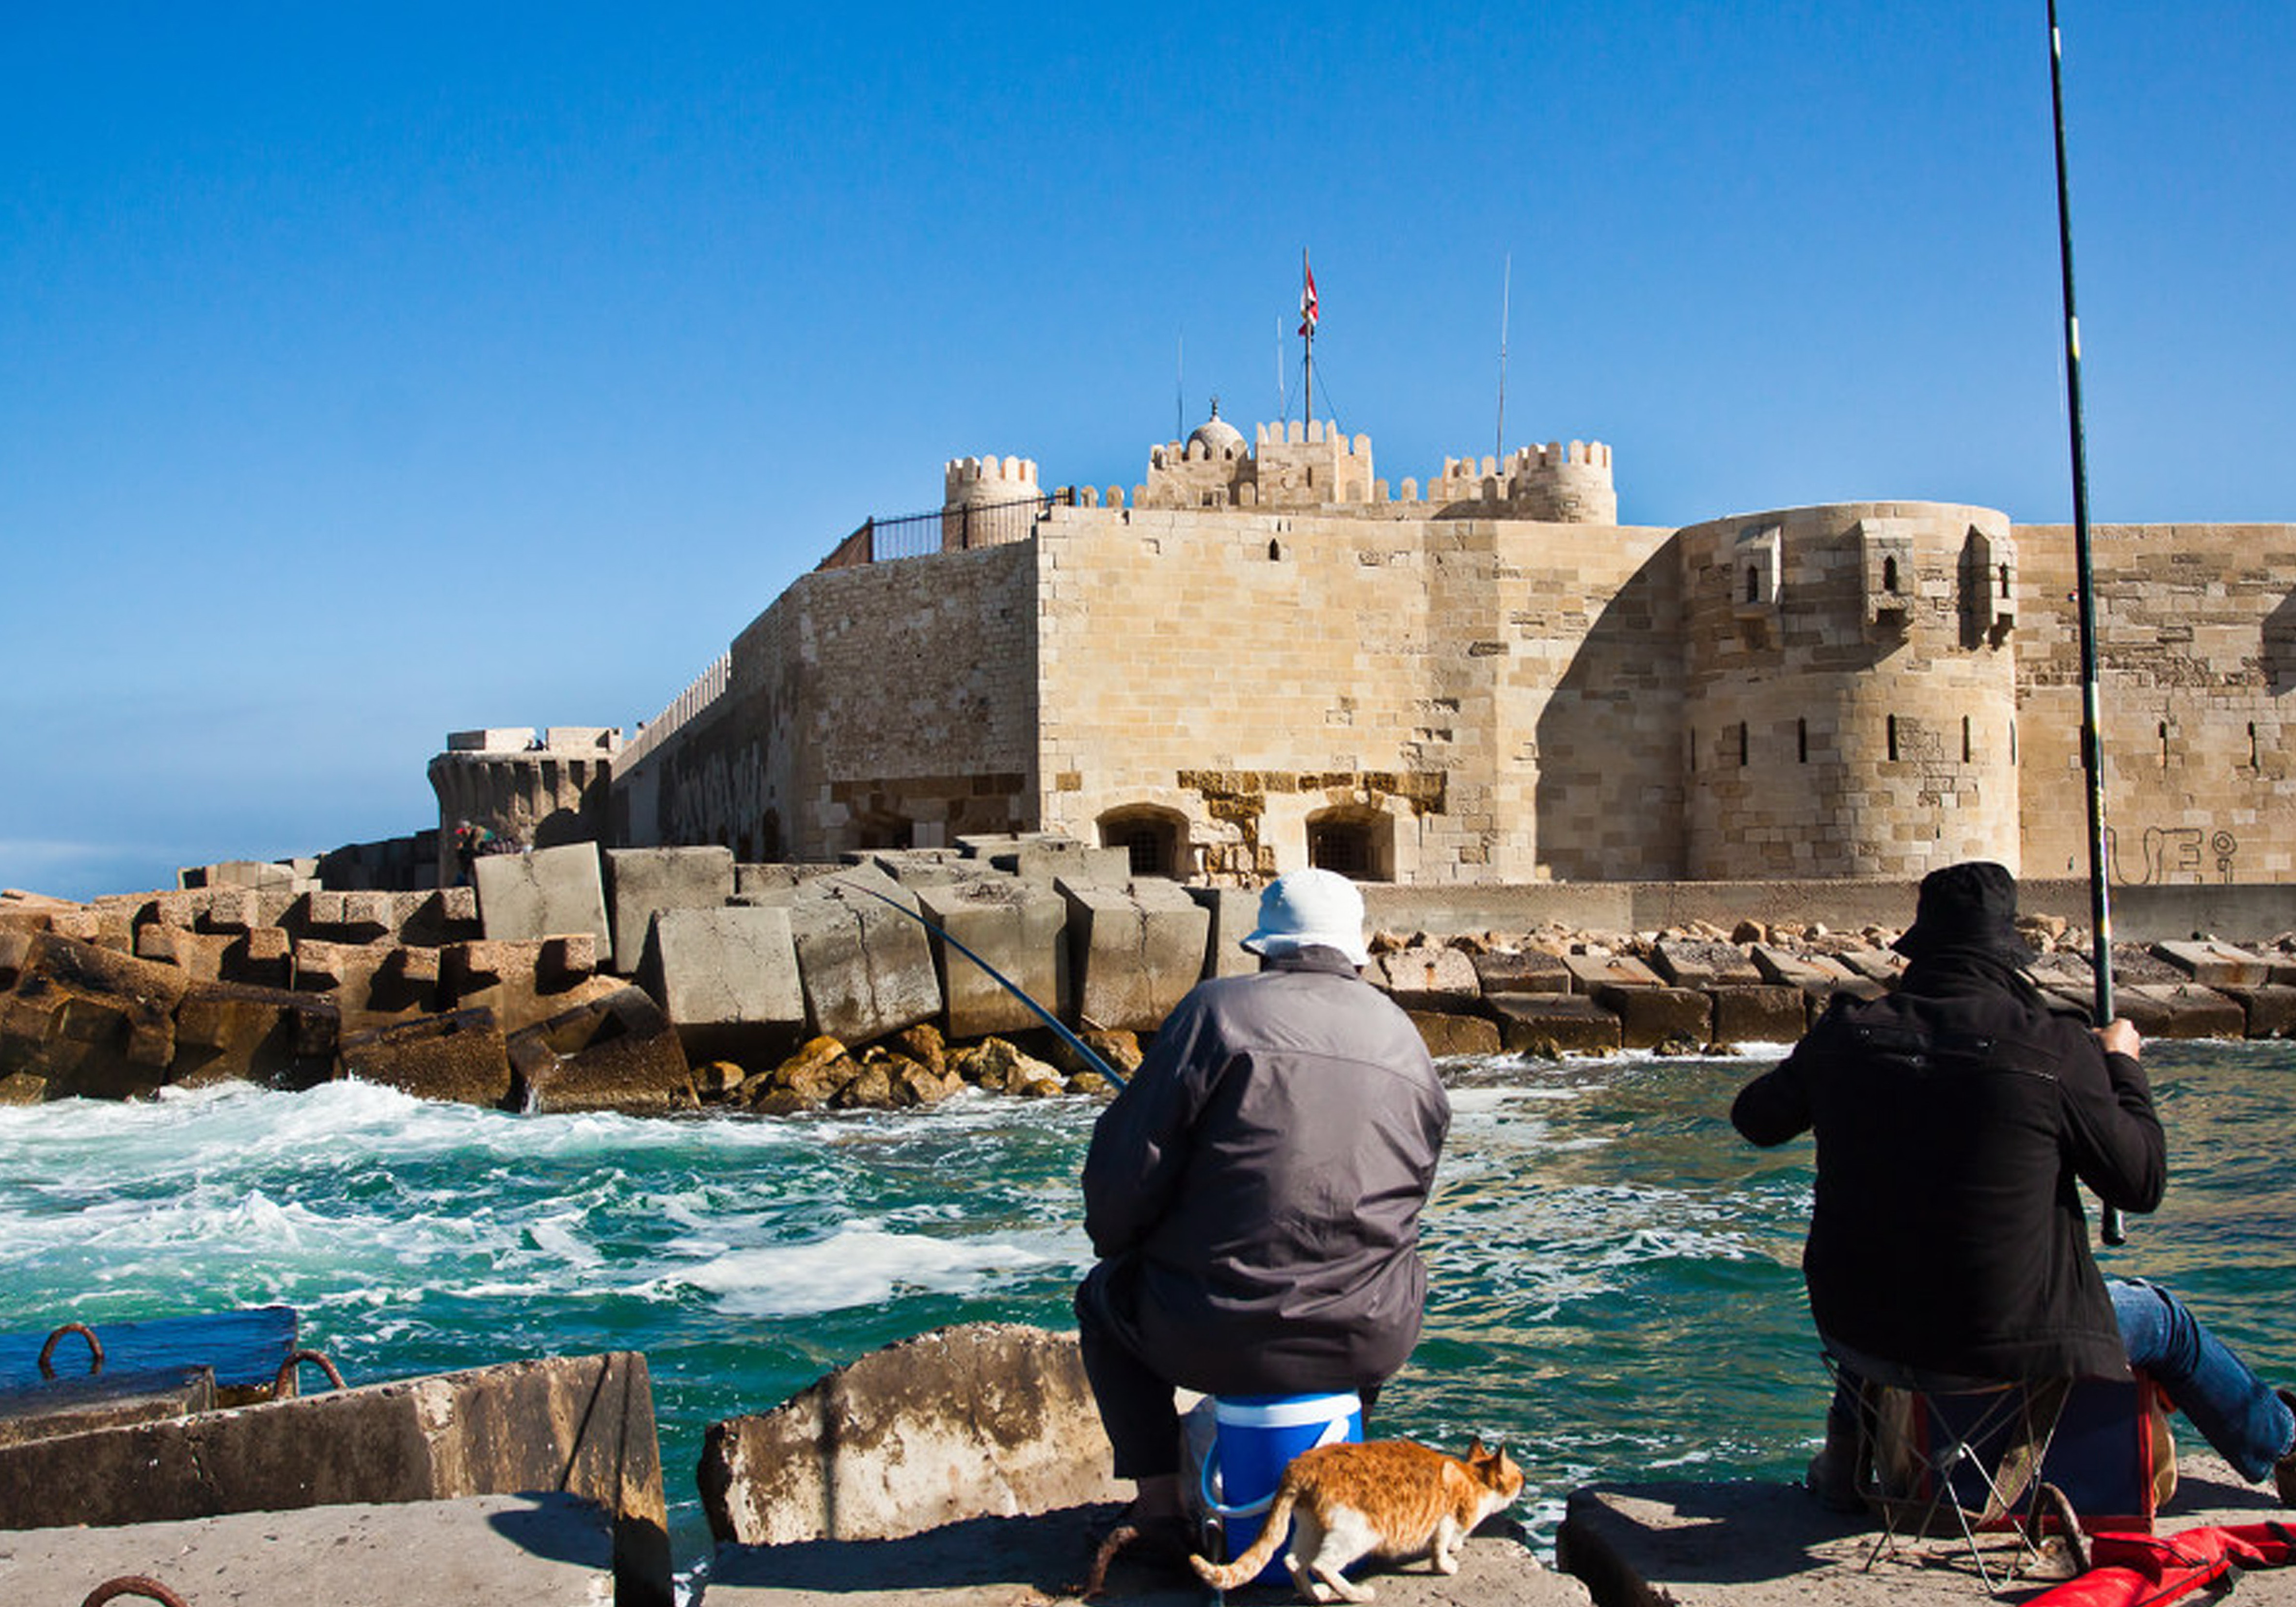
x,y
944,531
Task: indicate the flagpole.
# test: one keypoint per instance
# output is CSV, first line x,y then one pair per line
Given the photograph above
x,y
1307,334
2111,1226
1180,387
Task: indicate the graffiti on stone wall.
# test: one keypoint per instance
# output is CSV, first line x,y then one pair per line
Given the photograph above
x,y
2173,854
718,801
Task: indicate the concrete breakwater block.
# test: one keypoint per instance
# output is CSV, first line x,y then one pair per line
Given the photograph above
x,y
1448,1034
1556,1024
1649,1017
1234,913
729,977
1759,1013
987,1418
537,1551
867,969
267,1035
1591,972
2271,1009
641,883
2179,1010
1426,978
1525,971
1689,962
90,1022
522,982
369,982
615,1052
460,1057
574,1426
543,893
1018,927
1133,953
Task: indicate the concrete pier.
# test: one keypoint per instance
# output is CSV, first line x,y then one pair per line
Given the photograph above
x,y
485,1551
1764,1544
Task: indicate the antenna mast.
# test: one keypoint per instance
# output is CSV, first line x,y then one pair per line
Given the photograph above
x,y
1506,284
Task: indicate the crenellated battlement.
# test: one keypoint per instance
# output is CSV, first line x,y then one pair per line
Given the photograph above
x,y
1566,483
1302,463
973,481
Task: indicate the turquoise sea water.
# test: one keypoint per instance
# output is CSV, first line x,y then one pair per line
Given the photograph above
x,y
1615,1282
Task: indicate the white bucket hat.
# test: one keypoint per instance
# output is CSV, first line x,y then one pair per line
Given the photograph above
x,y
1311,907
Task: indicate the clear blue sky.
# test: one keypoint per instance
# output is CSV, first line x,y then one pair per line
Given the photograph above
x,y
371,372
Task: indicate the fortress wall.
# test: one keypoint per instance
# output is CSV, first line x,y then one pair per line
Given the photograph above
x,y
1845,714
1239,674
911,695
1578,630
1249,678
2196,629
888,705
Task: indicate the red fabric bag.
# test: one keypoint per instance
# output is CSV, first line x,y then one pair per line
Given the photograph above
x,y
2144,1570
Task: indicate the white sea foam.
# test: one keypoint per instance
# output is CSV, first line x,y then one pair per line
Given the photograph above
x,y
855,1267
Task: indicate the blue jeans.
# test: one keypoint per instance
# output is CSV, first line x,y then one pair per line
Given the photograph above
x,y
2250,1426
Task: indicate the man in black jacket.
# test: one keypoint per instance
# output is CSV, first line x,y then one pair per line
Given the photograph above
x,y
1254,1192
1955,1119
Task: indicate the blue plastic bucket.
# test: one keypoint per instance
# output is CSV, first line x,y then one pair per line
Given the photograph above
x,y
1255,1438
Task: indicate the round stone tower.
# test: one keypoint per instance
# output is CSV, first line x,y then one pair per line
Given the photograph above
x,y
1850,702
1005,486
525,790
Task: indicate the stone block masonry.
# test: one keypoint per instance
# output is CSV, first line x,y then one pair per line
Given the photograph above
x,y
1265,661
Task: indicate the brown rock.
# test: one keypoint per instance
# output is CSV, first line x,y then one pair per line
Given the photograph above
x,y
922,1044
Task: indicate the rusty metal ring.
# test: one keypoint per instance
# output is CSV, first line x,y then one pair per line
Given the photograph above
x,y
133,1584
287,1370
95,1349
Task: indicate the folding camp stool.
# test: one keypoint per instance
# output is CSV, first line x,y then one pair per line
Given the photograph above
x,y
1940,1457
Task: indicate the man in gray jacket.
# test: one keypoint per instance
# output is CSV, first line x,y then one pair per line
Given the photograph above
x,y
1254,1193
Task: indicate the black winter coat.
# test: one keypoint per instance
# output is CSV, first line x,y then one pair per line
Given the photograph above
x,y
1259,1182
1954,1118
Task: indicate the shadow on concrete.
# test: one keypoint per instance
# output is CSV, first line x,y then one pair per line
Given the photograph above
x,y
1051,1553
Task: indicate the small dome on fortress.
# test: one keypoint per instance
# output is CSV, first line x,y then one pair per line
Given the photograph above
x,y
1220,438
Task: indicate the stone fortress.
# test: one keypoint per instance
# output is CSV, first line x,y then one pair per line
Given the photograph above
x,y
1266,656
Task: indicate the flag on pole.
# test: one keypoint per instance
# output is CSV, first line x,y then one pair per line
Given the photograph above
x,y
1307,298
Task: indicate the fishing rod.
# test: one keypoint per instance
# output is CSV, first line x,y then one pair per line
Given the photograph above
x,y
2110,1226
1076,1045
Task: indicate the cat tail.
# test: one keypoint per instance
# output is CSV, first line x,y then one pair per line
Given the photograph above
x,y
1272,1535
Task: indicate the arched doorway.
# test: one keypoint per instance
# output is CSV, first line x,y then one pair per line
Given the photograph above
x,y
1155,839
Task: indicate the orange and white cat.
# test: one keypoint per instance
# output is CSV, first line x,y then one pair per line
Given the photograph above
x,y
1392,1499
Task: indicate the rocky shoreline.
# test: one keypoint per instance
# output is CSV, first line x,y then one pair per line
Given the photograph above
x,y
667,980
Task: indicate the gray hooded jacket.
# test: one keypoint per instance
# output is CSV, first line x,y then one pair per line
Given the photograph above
x,y
1256,1186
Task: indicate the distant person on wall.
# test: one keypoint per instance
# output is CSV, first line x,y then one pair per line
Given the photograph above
x,y
1254,1193
466,853
1955,1119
